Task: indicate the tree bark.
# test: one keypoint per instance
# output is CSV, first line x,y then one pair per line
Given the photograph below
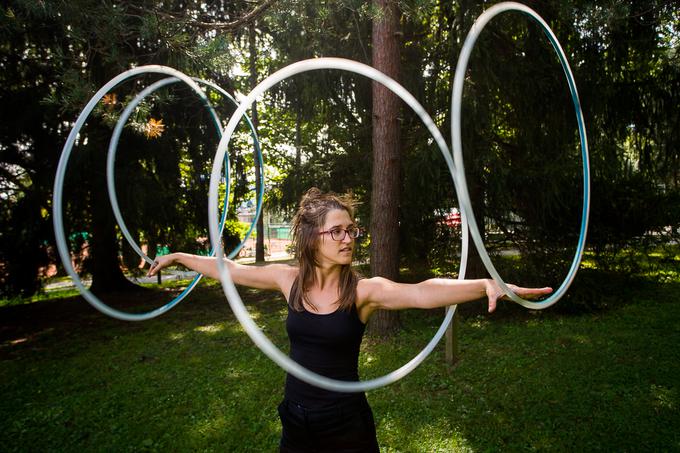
x,y
252,48
103,261
386,160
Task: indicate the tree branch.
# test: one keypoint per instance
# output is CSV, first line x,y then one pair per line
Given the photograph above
x,y
222,26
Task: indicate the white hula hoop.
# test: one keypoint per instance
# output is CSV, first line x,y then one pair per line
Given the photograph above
x,y
57,204
230,291
464,196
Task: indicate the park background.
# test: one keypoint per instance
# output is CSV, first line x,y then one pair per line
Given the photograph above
x,y
598,371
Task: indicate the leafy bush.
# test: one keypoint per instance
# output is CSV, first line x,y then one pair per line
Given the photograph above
x,y
234,232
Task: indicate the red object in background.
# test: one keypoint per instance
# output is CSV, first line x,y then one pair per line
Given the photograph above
x,y
452,219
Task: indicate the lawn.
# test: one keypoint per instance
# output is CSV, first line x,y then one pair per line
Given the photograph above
x,y
72,379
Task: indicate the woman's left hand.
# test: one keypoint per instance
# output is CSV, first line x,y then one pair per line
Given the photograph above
x,y
495,293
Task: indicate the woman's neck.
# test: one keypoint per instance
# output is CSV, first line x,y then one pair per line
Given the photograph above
x,y
327,276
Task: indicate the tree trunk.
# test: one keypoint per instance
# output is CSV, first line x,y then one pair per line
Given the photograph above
x,y
386,137
103,262
252,47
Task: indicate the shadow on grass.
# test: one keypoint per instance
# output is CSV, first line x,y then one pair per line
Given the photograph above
x,y
74,379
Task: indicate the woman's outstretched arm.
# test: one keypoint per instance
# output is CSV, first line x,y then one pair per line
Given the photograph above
x,y
271,276
381,293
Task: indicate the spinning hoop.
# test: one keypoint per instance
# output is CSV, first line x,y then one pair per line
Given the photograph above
x,y
230,291
464,196
58,224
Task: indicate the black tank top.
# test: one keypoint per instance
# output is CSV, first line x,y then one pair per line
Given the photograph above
x,y
327,344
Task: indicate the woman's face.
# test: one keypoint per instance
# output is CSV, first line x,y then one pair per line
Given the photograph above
x,y
330,251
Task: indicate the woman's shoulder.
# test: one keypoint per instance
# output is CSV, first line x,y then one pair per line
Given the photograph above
x,y
372,282
285,271
366,287
368,290
286,275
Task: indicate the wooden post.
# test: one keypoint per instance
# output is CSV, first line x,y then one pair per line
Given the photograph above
x,y
451,340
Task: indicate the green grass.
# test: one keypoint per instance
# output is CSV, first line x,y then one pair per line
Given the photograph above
x,y
607,381
72,379
56,294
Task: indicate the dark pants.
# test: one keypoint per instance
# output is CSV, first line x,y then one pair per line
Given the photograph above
x,y
344,427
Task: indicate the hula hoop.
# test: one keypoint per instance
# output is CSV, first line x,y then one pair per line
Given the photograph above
x,y
464,196
57,203
110,173
230,291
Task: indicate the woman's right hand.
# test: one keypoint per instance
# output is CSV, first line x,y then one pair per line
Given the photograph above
x,y
161,262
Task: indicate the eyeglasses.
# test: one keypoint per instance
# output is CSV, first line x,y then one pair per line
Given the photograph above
x,y
338,234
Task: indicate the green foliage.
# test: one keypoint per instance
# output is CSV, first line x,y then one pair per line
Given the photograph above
x,y
315,128
56,54
234,233
522,153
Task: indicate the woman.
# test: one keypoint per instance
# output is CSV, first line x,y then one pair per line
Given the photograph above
x,y
328,308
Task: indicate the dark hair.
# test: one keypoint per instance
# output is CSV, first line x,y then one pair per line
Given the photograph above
x,y
309,218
